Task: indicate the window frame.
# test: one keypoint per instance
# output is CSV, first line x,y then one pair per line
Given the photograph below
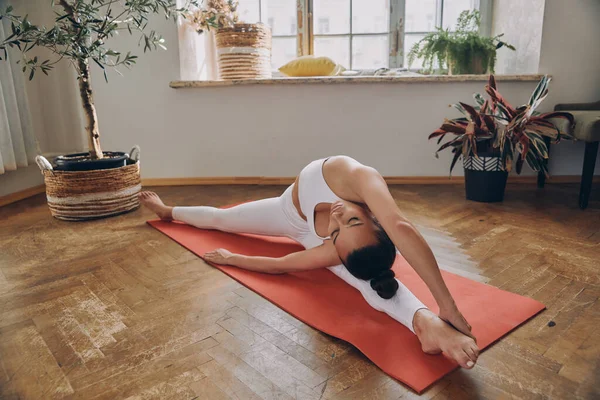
x,y
305,35
262,15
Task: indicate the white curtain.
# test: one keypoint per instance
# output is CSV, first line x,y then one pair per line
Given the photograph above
x,y
18,147
197,52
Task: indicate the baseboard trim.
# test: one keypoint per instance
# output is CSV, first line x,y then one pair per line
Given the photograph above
x,y
225,180
391,180
21,195
273,181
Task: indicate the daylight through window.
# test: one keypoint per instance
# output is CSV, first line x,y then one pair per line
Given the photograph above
x,y
358,34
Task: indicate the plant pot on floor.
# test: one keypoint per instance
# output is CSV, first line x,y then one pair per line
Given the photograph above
x,y
92,193
485,179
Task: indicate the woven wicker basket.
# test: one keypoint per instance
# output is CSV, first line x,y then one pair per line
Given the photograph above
x,y
244,52
85,195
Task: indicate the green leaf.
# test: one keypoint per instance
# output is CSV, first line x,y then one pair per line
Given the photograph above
x,y
459,108
98,62
479,98
32,73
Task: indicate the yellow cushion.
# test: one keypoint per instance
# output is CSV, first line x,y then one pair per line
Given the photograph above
x,y
311,66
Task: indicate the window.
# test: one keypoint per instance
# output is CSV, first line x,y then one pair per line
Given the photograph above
x,y
359,34
281,16
271,23
422,16
323,26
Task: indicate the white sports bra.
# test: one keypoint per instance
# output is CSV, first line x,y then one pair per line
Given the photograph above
x,y
313,190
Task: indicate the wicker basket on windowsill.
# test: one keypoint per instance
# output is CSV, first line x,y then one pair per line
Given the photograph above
x,y
244,52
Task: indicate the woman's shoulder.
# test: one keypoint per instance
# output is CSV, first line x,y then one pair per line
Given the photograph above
x,y
344,175
346,166
342,161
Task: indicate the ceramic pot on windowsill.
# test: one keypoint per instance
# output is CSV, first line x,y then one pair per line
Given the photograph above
x,y
473,66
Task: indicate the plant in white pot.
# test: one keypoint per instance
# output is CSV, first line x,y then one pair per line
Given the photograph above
x,y
97,183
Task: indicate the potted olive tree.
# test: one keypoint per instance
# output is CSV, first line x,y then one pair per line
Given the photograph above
x,y
97,183
493,136
463,51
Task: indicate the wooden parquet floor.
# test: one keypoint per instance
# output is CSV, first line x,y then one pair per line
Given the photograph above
x,y
113,309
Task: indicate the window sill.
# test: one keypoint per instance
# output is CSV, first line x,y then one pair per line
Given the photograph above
x,y
355,80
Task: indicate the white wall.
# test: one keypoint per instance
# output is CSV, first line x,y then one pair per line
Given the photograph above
x,y
20,179
571,54
521,24
275,130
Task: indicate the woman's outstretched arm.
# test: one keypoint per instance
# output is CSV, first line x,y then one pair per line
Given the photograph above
x,y
402,307
315,258
371,187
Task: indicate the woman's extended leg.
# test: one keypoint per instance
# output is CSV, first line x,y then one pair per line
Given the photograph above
x,y
261,217
402,307
434,334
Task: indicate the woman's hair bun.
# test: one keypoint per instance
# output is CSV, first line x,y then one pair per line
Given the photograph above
x,y
385,285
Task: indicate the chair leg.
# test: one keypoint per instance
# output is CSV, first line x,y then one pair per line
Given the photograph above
x,y
541,179
589,163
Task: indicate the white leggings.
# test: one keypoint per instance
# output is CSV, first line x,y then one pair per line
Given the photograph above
x,y
277,216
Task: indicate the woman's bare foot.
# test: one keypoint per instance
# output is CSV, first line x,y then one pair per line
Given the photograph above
x,y
154,203
437,336
454,317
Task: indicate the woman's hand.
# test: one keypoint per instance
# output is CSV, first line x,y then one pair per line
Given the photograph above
x,y
455,318
219,256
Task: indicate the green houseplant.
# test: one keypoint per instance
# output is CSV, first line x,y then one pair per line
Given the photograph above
x,y
493,136
463,51
80,35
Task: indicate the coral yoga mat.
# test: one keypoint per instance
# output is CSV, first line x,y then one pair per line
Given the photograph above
x,y
325,302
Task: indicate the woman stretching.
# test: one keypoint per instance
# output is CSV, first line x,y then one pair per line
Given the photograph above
x,y
342,212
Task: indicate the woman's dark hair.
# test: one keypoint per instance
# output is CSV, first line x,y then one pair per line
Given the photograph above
x,y
374,263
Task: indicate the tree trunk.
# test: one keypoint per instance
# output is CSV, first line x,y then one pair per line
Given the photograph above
x,y
85,89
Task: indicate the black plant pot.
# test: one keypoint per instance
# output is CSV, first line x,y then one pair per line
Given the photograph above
x,y
485,179
83,162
